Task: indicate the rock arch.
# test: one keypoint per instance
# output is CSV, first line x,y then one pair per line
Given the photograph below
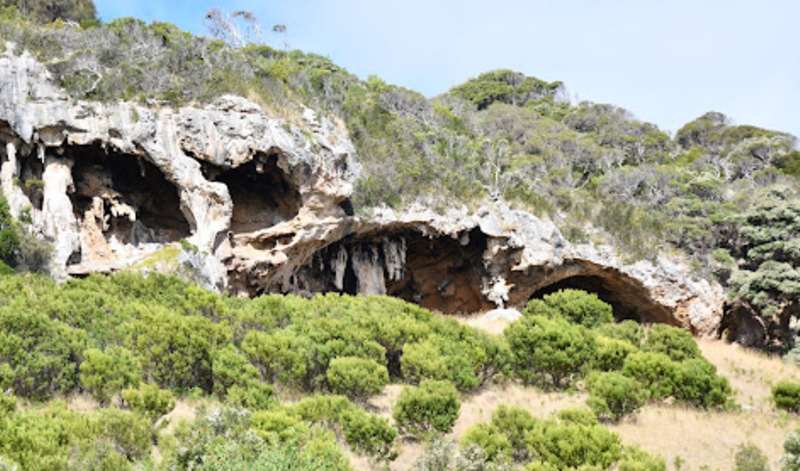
x,y
629,298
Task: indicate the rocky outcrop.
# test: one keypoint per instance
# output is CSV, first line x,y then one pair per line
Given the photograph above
x,y
258,204
124,217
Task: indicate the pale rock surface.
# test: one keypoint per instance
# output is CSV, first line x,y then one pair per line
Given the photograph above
x,y
493,257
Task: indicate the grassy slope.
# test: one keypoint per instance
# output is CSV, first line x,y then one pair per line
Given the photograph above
x,y
698,437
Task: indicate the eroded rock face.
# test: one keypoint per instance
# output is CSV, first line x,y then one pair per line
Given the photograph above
x,y
264,205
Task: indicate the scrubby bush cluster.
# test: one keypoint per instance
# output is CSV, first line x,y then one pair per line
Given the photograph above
x,y
46,11
790,461
786,395
572,440
569,335
431,408
136,343
102,335
760,261
750,458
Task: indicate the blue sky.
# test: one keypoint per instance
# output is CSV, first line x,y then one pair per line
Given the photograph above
x,y
666,61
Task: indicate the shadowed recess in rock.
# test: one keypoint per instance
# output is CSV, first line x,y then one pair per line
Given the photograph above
x,y
629,299
262,194
440,273
742,324
123,199
31,171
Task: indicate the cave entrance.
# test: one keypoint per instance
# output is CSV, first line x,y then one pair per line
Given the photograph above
x,y
122,200
441,273
262,194
31,170
629,300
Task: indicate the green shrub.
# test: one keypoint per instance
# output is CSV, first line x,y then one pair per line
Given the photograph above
x,y
38,356
491,441
465,357
230,368
750,458
566,445
613,395
676,343
445,455
47,11
790,461
514,423
364,432
505,86
538,307
611,354
697,383
578,415
634,459
786,395
429,408
176,350
149,400
8,404
9,234
278,426
580,307
356,378
253,395
129,432
100,455
282,356
103,374
627,330
224,440
54,437
436,358
369,434
550,349
654,371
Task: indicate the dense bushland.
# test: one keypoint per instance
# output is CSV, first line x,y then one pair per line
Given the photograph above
x,y
623,364
138,343
135,343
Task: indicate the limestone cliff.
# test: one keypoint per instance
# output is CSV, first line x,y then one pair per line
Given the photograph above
x,y
260,204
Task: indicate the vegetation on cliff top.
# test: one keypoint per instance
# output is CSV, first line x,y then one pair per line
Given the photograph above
x,y
501,134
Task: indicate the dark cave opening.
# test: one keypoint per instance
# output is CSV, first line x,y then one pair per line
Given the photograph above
x,y
628,300
443,274
130,197
440,273
31,170
262,194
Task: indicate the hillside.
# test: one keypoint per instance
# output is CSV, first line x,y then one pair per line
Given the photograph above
x,y
222,255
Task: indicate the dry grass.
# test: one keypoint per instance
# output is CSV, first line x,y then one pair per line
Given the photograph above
x,y
704,438
751,373
494,326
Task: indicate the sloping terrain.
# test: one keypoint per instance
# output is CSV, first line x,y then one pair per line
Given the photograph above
x,y
249,258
